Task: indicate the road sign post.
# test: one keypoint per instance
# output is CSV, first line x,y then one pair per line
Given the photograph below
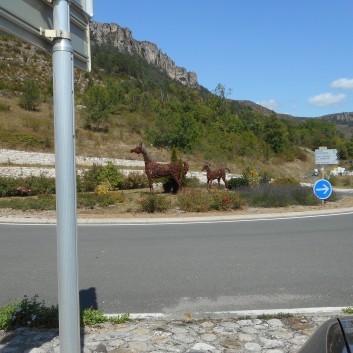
x,y
322,189
46,24
64,121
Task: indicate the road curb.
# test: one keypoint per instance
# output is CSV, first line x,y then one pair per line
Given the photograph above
x,y
178,220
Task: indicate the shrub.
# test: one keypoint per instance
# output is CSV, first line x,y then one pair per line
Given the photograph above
x,y
98,174
30,312
226,200
279,196
236,183
36,184
154,203
286,181
252,176
111,174
4,107
333,179
135,180
103,188
8,186
41,202
40,185
30,95
192,182
194,200
88,200
93,317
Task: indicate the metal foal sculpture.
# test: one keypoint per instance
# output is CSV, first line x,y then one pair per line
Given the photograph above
x,y
155,170
215,174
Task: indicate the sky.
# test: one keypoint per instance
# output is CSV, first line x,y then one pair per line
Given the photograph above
x,y
292,56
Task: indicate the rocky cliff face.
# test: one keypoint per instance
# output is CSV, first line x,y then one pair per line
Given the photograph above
x,y
339,118
123,40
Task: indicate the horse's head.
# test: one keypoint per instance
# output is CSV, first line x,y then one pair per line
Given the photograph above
x,y
138,149
205,167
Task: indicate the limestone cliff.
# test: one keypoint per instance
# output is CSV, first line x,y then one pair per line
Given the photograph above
x,y
122,39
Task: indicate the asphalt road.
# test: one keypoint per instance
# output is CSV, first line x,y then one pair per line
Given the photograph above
x,y
171,268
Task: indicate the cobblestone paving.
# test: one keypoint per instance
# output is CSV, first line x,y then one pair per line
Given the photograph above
x,y
227,335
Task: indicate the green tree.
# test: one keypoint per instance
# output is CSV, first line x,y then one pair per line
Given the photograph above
x,y
97,102
30,95
276,134
174,129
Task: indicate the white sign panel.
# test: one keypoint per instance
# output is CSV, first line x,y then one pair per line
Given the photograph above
x,y
328,156
28,18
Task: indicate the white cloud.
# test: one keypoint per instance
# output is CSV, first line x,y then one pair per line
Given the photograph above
x,y
269,104
344,83
327,99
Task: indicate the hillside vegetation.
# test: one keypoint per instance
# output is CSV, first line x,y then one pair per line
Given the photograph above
x,y
125,101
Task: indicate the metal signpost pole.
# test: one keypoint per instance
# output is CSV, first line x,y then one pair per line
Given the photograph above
x,y
67,262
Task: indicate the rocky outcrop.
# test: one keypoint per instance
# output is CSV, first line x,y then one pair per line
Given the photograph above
x,y
122,39
345,118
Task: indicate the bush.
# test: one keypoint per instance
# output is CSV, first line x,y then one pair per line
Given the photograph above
x,y
41,202
8,187
93,317
198,200
37,186
236,183
30,96
154,203
252,176
194,200
286,181
192,182
29,312
103,188
40,185
135,180
279,196
226,201
98,174
4,107
90,200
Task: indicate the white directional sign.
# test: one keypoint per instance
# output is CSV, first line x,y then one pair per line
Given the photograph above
x,y
322,189
326,156
32,21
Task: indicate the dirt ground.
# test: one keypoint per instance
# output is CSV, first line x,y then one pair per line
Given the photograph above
x,y
111,213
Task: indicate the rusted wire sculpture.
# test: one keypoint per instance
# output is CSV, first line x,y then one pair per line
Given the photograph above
x,y
155,170
218,174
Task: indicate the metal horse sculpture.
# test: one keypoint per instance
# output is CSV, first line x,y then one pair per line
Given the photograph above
x,y
215,174
155,170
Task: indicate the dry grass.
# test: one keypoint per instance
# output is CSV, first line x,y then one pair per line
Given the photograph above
x,y
120,138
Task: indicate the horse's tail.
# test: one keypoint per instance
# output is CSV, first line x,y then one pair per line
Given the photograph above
x,y
227,169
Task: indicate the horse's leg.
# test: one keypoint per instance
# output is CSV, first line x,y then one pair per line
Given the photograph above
x,y
219,182
150,184
179,185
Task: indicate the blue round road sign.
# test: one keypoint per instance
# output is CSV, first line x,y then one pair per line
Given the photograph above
x,y
322,189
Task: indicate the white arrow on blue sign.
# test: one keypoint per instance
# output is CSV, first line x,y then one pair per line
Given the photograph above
x,y
322,189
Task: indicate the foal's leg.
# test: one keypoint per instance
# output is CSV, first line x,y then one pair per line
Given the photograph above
x,y
225,182
208,184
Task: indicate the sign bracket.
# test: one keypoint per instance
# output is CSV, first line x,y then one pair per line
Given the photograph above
x,y
52,34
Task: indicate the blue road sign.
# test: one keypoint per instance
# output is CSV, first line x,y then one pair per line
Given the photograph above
x,y
322,189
